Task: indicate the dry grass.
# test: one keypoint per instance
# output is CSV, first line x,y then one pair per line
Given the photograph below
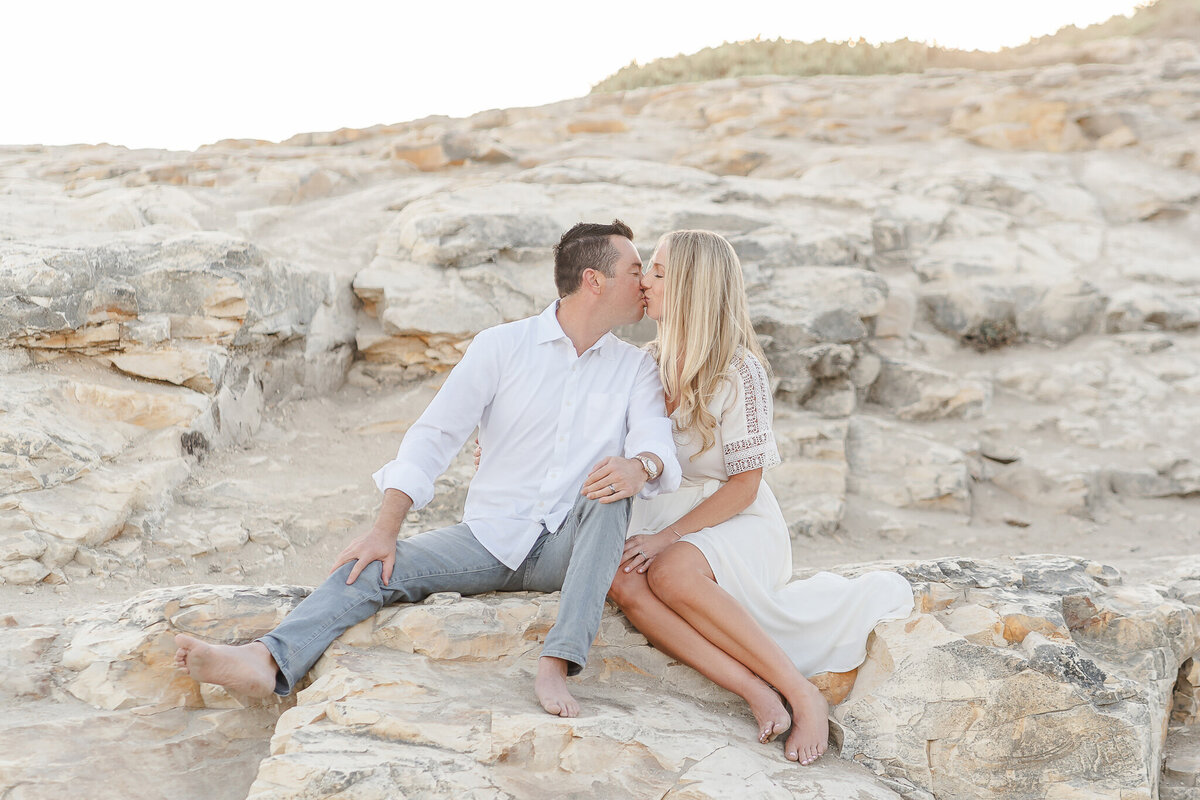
x,y
786,57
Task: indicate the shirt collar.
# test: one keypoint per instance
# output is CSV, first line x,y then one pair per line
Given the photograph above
x,y
548,330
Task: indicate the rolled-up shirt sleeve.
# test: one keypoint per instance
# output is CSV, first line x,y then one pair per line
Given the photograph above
x,y
437,436
650,428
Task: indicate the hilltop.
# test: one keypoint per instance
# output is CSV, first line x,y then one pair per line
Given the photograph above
x,y
1164,19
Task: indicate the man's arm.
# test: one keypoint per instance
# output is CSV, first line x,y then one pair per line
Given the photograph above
x,y
649,434
650,430
425,453
431,442
379,543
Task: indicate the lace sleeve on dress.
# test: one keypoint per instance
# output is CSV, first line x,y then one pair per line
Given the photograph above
x,y
750,443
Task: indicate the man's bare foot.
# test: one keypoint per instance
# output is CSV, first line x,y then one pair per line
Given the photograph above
x,y
550,685
247,669
769,713
810,726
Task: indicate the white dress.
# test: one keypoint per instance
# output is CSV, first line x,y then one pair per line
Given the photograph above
x,y
821,622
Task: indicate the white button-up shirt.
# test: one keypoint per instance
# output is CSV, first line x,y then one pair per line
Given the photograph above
x,y
546,417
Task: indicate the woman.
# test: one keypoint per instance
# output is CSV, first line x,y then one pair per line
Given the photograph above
x,y
705,574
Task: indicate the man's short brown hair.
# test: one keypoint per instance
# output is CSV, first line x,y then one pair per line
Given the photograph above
x,y
586,246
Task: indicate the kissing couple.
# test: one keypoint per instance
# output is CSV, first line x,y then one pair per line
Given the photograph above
x,y
605,470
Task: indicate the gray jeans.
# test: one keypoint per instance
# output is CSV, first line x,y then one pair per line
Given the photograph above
x,y
580,558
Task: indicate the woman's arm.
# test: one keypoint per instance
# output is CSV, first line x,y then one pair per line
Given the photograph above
x,y
734,497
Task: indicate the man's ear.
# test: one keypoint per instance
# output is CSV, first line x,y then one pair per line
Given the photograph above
x,y
593,280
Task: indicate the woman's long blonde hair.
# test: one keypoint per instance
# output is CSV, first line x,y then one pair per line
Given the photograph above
x,y
705,320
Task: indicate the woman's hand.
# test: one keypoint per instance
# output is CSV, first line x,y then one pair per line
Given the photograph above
x,y
478,453
642,548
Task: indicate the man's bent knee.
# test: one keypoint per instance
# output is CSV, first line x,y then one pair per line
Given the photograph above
x,y
611,517
593,507
369,581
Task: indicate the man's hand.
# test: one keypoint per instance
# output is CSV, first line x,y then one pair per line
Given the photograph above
x,y
379,543
375,545
613,479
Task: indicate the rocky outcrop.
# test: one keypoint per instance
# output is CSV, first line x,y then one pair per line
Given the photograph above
x,y
156,305
1026,676
977,294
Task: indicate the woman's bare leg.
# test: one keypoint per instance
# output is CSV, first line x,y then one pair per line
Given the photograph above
x,y
670,633
681,577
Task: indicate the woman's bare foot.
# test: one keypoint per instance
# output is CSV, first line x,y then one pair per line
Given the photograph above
x,y
810,725
769,713
246,669
550,686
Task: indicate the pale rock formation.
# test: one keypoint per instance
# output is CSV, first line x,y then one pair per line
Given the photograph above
x,y
977,292
1055,661
901,468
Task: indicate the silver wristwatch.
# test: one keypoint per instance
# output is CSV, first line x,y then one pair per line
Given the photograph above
x,y
648,465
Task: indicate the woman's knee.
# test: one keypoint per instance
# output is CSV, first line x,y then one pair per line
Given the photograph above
x,y
628,589
669,576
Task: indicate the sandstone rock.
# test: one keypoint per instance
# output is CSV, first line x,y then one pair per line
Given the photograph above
x,y
355,700
1090,681
898,314
124,654
252,273
21,658
622,172
814,242
1012,119
813,305
467,228
19,545
25,571
914,391
596,124
111,755
1058,489
1142,307
1181,767
811,482
900,468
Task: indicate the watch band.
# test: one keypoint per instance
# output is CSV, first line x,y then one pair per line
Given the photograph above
x,y
648,465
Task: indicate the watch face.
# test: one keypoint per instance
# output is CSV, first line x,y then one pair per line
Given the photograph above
x,y
648,465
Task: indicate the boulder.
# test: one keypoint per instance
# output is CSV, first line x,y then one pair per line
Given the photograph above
x,y
818,304
897,466
914,391
1076,685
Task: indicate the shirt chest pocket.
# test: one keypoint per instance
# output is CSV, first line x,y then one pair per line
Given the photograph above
x,y
603,419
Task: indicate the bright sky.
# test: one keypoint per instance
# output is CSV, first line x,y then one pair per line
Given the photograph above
x,y
180,73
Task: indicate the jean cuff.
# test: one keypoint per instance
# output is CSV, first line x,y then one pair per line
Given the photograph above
x,y
283,683
575,663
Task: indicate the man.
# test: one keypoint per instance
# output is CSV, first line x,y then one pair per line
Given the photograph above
x,y
554,397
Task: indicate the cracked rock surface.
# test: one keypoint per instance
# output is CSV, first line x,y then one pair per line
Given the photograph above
x,y
978,292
